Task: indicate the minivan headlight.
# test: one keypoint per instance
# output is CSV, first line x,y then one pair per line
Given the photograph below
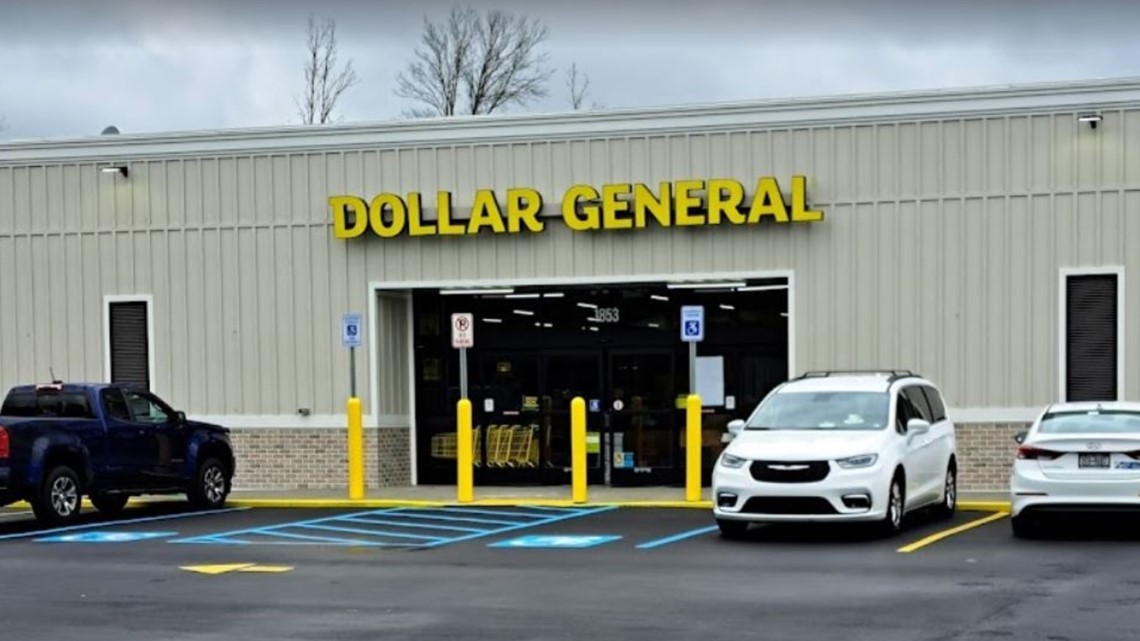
x,y
863,460
732,462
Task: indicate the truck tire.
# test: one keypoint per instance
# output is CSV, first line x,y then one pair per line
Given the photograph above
x,y
109,503
60,497
209,488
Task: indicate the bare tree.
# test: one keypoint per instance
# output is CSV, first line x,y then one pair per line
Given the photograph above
x,y
476,64
578,85
324,82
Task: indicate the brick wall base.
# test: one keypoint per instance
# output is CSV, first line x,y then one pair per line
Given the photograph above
x,y
288,459
985,455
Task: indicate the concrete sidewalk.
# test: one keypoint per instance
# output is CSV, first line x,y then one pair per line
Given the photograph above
x,y
537,495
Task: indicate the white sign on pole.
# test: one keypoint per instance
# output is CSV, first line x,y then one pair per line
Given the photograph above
x,y
351,330
692,323
462,331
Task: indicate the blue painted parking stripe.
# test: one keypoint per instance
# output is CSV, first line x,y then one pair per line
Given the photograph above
x,y
326,539
466,510
376,533
249,530
575,514
455,528
458,519
676,537
109,524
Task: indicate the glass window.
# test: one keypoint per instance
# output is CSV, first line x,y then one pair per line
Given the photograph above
x,y
116,406
145,408
47,404
918,401
937,407
822,410
904,412
1112,422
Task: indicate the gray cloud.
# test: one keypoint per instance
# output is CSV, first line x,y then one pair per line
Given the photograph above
x,y
73,67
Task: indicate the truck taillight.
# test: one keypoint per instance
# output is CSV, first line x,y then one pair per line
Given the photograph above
x,y
5,446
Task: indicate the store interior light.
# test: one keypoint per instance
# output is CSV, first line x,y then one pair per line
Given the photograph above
x,y
655,325
548,324
784,314
707,285
116,169
728,307
523,312
553,295
522,296
593,328
761,288
659,297
587,305
476,291
492,320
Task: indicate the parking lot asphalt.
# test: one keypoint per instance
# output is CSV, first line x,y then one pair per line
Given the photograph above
x,y
161,572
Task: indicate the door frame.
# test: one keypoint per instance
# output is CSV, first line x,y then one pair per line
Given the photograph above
x,y
619,477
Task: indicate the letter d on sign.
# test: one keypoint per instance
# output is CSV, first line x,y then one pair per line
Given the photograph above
x,y
340,207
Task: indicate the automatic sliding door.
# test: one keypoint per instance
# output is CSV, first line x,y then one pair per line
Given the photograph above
x,y
569,375
643,418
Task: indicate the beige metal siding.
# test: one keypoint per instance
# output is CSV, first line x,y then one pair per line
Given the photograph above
x,y
940,250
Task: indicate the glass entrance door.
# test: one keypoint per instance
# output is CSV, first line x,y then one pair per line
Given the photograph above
x,y
642,441
567,375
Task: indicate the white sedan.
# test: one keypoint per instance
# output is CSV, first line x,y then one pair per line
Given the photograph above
x,y
1076,457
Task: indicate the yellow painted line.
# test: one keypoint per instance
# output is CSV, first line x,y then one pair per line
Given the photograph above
x,y
945,534
984,506
267,569
503,502
215,569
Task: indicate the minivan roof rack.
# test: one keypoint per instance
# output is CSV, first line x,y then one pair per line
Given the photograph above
x,y
891,374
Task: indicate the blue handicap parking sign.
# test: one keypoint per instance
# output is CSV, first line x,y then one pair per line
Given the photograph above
x,y
105,537
692,323
556,541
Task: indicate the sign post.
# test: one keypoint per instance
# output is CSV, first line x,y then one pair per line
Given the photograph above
x,y
463,337
351,337
693,332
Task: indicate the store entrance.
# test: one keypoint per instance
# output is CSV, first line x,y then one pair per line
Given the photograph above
x,y
617,347
630,417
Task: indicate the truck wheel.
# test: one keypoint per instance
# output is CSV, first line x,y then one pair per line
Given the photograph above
x,y
109,503
60,497
209,488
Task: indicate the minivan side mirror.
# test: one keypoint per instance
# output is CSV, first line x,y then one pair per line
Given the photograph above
x,y
1019,438
735,427
916,426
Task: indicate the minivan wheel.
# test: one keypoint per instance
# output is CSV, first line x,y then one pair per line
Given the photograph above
x,y
892,520
60,497
949,504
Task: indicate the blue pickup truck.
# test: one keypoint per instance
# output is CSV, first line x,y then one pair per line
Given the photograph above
x,y
61,442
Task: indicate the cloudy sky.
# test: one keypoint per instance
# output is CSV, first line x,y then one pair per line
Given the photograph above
x,y
72,67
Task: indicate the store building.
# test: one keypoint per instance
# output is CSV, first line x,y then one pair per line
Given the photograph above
x,y
979,237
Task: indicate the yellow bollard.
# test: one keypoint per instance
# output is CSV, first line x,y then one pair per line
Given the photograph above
x,y
464,455
693,448
355,449
578,449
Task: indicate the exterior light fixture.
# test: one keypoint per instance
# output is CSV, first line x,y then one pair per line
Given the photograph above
x,y
762,288
116,169
1090,118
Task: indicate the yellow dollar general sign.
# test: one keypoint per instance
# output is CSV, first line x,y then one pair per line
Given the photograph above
x,y
583,208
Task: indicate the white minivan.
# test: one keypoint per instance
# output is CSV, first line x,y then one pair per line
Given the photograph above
x,y
839,446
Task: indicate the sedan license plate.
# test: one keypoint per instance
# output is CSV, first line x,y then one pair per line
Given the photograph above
x,y
1093,460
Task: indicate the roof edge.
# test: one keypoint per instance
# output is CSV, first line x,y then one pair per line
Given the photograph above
x,y
1103,94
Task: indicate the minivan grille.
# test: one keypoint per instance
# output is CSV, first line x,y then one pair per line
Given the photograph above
x,y
790,471
788,505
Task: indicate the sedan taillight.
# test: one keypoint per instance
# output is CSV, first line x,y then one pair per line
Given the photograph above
x,y
1031,453
5,445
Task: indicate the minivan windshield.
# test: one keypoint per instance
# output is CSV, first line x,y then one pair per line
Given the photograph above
x,y
822,411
